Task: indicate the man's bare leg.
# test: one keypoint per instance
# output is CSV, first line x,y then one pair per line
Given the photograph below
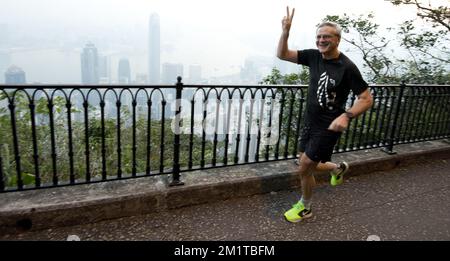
x,y
302,209
306,171
336,171
327,166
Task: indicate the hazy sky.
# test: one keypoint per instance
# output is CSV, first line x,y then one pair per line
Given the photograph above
x,y
218,34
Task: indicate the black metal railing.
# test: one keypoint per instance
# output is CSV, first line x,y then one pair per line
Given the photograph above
x,y
69,134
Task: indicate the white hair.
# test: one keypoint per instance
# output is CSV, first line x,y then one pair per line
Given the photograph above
x,y
332,24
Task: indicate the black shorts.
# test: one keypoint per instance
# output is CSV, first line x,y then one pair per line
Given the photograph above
x,y
318,144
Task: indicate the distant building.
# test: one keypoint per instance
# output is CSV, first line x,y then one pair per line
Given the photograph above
x,y
284,67
255,69
195,74
103,69
141,78
170,72
90,65
124,73
154,50
249,73
15,75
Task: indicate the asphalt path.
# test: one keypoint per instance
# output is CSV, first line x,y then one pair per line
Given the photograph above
x,y
407,203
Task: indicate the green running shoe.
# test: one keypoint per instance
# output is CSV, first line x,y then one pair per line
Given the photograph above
x,y
337,176
297,213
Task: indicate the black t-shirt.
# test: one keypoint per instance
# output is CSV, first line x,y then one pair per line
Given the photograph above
x,y
329,86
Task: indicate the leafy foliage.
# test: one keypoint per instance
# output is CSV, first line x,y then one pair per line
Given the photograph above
x,y
94,133
428,57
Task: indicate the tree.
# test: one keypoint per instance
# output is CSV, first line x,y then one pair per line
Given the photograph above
x,y
275,77
292,101
160,140
429,56
437,16
362,33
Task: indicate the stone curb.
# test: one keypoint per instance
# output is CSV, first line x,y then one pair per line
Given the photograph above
x,y
67,206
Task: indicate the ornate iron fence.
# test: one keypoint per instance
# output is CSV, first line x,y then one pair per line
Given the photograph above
x,y
67,134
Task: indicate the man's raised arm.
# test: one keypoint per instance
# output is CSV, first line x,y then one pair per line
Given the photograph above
x,y
283,51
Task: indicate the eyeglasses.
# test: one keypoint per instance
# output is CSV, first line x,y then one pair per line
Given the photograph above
x,y
324,36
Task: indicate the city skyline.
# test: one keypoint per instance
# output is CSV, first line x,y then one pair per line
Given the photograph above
x,y
221,37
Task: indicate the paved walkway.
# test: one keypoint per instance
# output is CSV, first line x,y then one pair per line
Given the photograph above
x,y
407,203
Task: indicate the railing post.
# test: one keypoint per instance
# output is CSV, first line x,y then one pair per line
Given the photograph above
x,y
12,107
389,148
2,180
176,151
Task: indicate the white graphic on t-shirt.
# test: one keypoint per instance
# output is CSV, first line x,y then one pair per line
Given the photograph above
x,y
324,96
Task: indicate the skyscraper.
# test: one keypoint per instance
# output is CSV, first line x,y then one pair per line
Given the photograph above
x,y
15,75
154,50
170,72
103,69
124,73
195,74
89,65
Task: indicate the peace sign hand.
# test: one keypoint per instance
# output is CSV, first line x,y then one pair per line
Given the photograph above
x,y
287,20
